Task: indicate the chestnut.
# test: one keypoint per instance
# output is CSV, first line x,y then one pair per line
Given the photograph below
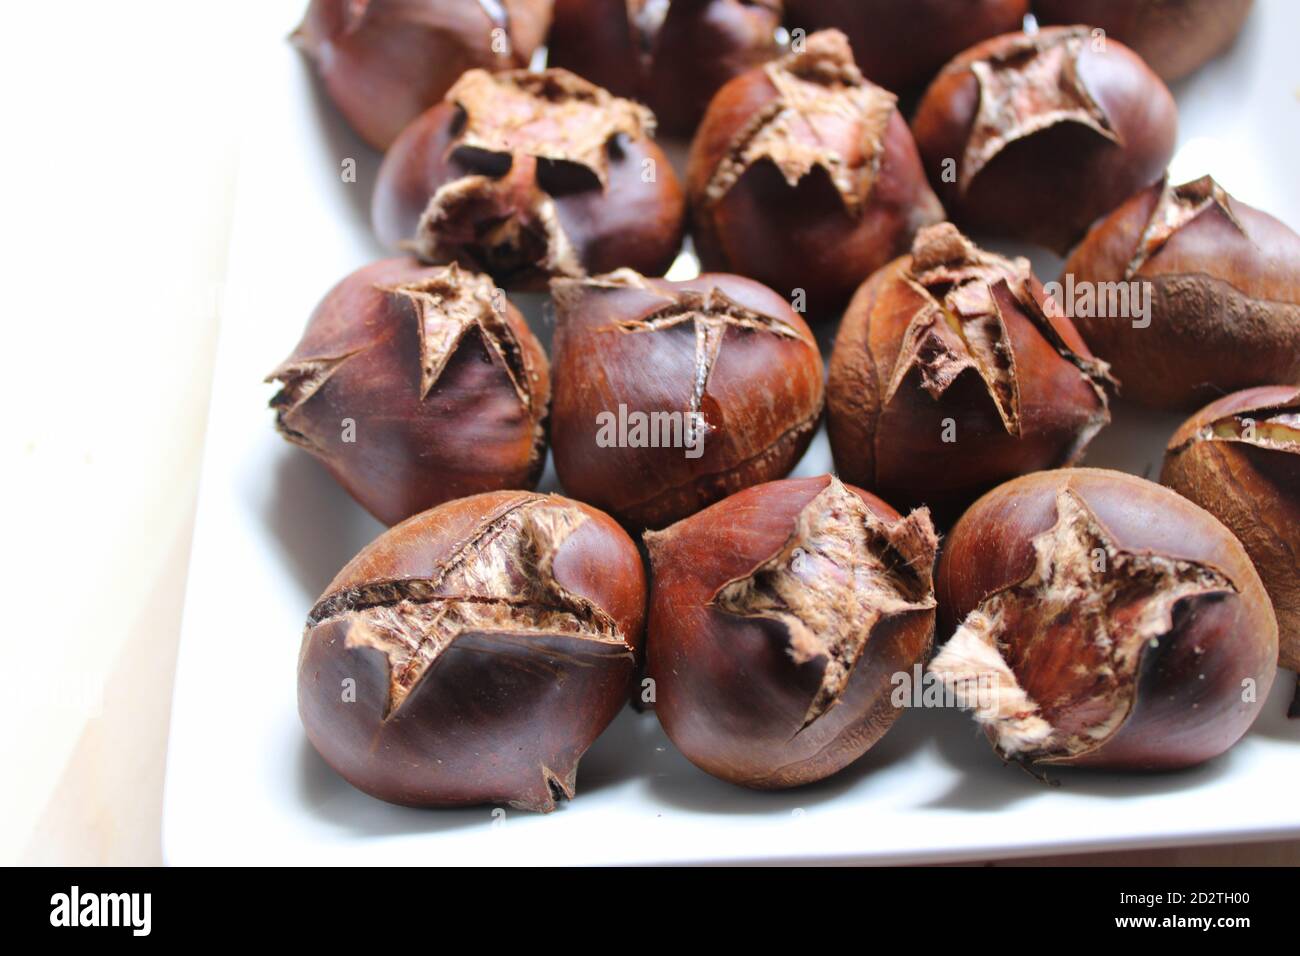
x,y
902,46
1175,37
1114,623
384,62
1239,459
779,618
1220,287
1036,136
473,653
414,385
804,176
672,395
526,176
952,372
672,55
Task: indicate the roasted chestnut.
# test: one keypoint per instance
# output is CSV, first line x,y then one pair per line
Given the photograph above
x,y
384,62
953,372
415,385
672,395
1173,36
902,45
779,619
473,653
1035,136
672,55
804,176
1112,623
526,176
1219,288
1239,459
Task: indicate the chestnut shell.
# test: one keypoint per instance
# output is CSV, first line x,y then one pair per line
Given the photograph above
x,y
1225,294
903,45
1016,391
384,62
548,600
440,410
1035,137
1174,36
804,198
721,347
731,691
1250,480
1182,691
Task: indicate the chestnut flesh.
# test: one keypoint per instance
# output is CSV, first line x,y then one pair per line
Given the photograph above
x,y
804,176
778,620
414,385
1113,623
1239,459
473,653
1174,36
901,46
721,359
672,55
1034,137
1223,281
527,176
952,372
384,62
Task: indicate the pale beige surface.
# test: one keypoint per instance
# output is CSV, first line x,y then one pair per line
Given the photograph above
x,y
117,193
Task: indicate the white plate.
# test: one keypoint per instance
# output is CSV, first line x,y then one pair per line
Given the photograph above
x,y
243,785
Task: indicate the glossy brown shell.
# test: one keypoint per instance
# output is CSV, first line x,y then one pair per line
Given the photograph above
x,y
1049,184
1187,705
469,434
1174,36
1225,300
728,692
498,717
761,402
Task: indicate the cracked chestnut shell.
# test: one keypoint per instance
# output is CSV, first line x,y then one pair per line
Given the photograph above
x,y
1110,622
722,375
1174,36
527,176
384,62
778,618
903,45
804,176
1224,286
672,55
951,373
1239,459
473,653
414,385
1036,136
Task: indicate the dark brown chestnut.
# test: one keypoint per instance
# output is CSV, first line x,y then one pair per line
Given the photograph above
x,y
804,176
952,372
1114,623
779,619
672,55
473,653
1036,136
414,385
672,395
1174,36
1220,288
1239,459
902,46
384,62
527,176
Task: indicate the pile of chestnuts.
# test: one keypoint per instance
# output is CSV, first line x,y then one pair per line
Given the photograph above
x,y
846,271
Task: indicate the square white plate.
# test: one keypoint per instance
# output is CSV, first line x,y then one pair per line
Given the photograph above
x,y
243,785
